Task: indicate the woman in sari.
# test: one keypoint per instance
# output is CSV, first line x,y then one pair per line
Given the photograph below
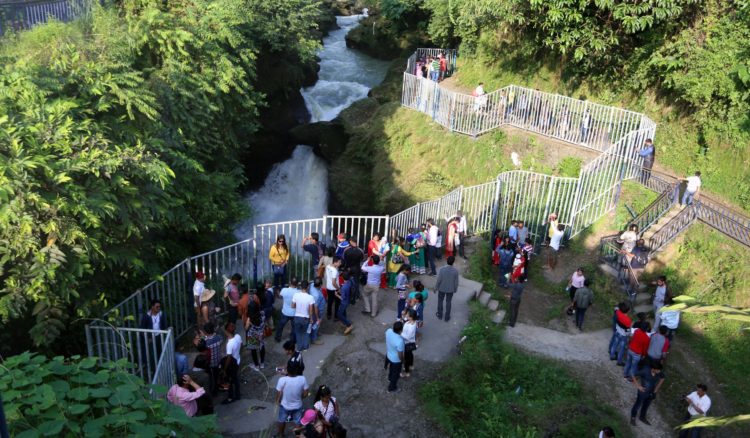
x,y
450,237
397,258
378,247
415,243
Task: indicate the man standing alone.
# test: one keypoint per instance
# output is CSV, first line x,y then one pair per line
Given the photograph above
x,y
446,285
698,405
394,348
648,381
582,300
516,290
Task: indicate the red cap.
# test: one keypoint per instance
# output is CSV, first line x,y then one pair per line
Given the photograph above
x,y
200,275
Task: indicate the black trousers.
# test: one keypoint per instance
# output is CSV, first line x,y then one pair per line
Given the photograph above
x,y
514,305
394,372
333,304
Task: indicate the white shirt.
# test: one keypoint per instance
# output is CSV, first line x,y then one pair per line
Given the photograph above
x,y
198,288
629,238
577,280
233,347
326,412
432,235
291,389
671,319
155,320
409,333
302,302
660,295
554,242
462,224
693,183
479,91
332,276
704,403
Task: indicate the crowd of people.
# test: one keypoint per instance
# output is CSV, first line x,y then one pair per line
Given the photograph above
x,y
342,274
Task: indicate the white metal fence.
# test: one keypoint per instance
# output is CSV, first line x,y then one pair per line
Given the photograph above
x,y
19,15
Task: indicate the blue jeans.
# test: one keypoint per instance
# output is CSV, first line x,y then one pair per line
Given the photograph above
x,y
617,349
181,362
431,250
434,75
289,415
579,316
631,365
280,328
300,332
314,331
504,270
341,314
401,306
687,198
278,278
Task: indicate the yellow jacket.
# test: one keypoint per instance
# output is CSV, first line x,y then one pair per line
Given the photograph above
x,y
278,255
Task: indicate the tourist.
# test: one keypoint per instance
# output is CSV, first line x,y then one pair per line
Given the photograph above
x,y
628,239
268,303
295,359
435,69
310,426
480,98
255,331
327,407
212,341
287,311
496,242
317,316
519,267
575,282
232,361
648,153
409,333
522,233
641,321
513,232
618,343
353,258
232,294
553,223
200,373
415,241
516,291
331,281
180,395
637,349
443,66
648,381
658,346
670,319
432,238
343,296
381,248
585,126
243,303
463,229
528,251
607,432
291,388
208,307
394,345
374,271
154,319
639,257
326,260
507,255
198,288
446,286
698,405
343,243
279,256
304,306
311,244
398,257
662,296
430,69
554,246
452,238
692,189
582,300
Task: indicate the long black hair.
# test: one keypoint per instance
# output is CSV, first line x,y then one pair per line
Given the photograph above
x,y
323,391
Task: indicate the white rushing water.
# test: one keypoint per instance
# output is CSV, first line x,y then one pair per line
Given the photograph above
x,y
298,187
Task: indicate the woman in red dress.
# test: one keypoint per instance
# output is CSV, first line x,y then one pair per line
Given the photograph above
x,y
496,241
450,237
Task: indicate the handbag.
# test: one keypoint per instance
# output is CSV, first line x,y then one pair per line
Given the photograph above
x,y
267,331
410,346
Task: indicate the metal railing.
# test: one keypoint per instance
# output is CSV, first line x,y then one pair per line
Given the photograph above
x,y
611,254
657,209
22,15
672,229
728,222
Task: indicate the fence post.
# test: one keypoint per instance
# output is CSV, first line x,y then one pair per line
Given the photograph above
x,y
453,111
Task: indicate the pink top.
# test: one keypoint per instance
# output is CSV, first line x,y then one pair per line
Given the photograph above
x,y
577,280
185,399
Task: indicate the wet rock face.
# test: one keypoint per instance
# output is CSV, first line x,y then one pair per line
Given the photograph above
x,y
328,139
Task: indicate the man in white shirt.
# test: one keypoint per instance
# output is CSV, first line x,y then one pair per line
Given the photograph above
x,y
370,296
331,282
432,240
287,311
462,230
198,288
691,191
234,343
304,305
554,246
698,405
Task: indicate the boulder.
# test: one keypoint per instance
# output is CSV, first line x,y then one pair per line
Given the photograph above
x,y
328,139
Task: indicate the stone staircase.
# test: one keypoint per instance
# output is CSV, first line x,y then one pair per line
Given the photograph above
x,y
656,226
486,300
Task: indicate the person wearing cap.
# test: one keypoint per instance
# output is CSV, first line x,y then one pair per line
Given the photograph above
x,y
208,307
198,287
311,426
343,240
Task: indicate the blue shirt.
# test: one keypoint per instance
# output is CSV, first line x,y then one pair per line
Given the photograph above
x,y
341,248
315,251
645,152
287,293
320,300
346,290
513,233
394,344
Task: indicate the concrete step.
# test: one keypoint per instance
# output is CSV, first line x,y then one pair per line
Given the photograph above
x,y
642,287
493,305
609,270
498,317
643,298
484,298
645,308
475,286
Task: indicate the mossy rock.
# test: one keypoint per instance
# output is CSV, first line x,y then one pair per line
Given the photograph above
x,y
329,139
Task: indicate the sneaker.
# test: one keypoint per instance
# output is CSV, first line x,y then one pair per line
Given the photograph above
x,y
254,368
438,316
447,318
348,329
644,421
262,365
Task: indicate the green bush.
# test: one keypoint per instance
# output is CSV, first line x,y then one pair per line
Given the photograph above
x,y
74,397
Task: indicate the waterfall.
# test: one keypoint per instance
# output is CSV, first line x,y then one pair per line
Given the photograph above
x,y
298,187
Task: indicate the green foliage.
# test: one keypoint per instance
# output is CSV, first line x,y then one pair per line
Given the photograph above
x,y
494,390
119,142
75,397
401,12
569,167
